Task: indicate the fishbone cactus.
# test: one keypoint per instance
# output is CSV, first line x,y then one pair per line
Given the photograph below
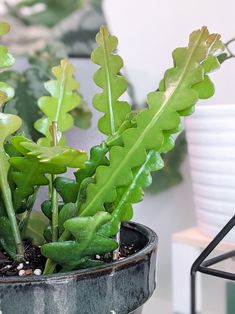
x,y
86,220
135,150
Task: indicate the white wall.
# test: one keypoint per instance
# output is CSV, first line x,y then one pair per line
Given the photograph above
x,y
149,30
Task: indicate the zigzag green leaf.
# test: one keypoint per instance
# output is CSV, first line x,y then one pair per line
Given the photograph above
x,y
67,188
163,114
97,158
29,170
28,173
111,82
61,155
133,193
121,209
64,98
74,253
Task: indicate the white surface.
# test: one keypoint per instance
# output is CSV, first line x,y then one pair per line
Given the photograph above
x,y
211,145
149,31
181,279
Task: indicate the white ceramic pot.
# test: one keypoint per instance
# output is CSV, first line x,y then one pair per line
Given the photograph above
x,y
210,135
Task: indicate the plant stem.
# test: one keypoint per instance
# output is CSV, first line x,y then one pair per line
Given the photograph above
x,y
55,212
54,194
231,54
116,252
50,265
7,198
25,219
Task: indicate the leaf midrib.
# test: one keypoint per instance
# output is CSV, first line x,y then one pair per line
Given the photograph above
x,y
108,81
61,92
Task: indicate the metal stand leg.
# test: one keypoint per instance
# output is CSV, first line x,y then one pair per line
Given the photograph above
x,y
193,292
202,265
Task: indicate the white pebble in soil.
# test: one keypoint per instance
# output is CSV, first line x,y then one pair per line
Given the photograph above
x,y
7,267
37,272
21,272
20,266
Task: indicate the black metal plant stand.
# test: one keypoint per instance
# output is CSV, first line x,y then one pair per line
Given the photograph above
x,y
202,264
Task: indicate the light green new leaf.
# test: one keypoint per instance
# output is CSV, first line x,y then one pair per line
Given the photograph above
x,y
9,124
86,243
61,155
6,60
176,97
64,98
30,169
113,84
6,93
4,28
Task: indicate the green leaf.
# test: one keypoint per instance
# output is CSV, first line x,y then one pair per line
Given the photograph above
x,y
35,228
2,208
63,99
6,60
132,193
61,155
46,208
68,211
4,28
30,169
223,57
82,116
6,93
67,188
28,173
6,237
71,254
113,84
97,158
163,114
9,124
170,175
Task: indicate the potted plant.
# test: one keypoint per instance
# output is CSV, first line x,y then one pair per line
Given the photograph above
x,y
93,260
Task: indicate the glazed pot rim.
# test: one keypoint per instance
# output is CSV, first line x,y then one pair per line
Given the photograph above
x,y
100,270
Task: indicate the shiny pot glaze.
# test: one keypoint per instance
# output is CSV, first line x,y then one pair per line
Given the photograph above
x,y
120,287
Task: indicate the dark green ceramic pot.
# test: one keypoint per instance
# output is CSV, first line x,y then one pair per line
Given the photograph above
x,y
121,287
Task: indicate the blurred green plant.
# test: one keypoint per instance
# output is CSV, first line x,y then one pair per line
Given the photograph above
x,y
29,87
77,33
51,11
